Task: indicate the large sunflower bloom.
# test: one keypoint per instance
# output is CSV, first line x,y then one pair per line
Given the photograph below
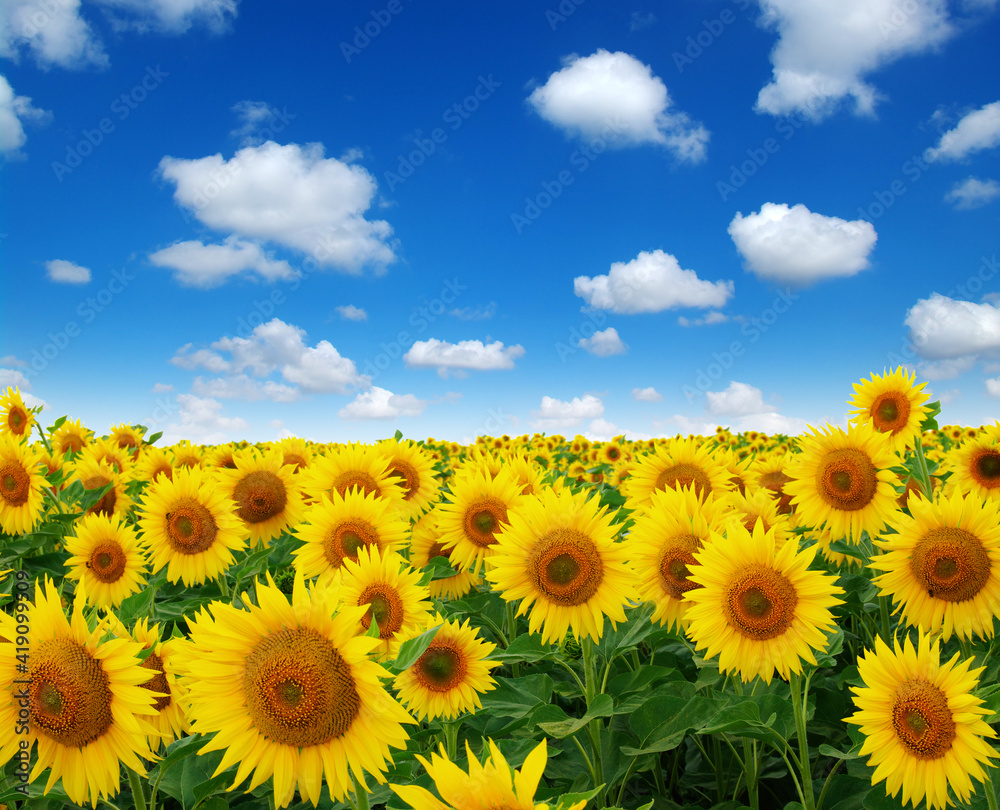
x,y
413,467
128,438
190,527
290,691
20,486
353,466
922,722
943,566
170,721
93,474
893,405
70,436
679,463
759,608
107,558
975,467
845,480
560,558
425,545
15,419
88,707
267,494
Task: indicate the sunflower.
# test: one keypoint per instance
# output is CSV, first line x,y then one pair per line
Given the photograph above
x,y
128,438
152,464
485,787
844,479
893,405
221,457
187,454
70,437
391,590
760,503
336,528
15,419
88,708
560,558
296,453
20,486
662,543
353,466
425,545
922,722
759,608
107,450
680,463
190,527
478,509
289,690
943,566
450,675
414,469
771,471
526,471
975,467
95,475
267,495
107,558
170,721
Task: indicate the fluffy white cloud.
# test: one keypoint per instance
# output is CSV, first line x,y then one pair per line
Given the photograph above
x,y
739,399
475,313
646,394
651,282
13,377
771,422
14,112
945,369
826,48
243,387
710,319
378,403
601,430
605,89
978,130
466,354
196,264
64,272
162,388
201,358
604,344
993,387
942,328
171,16
973,193
291,195
797,247
349,312
201,420
53,31
559,415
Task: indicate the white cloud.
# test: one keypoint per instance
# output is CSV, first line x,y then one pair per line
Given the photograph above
x,y
12,360
13,377
170,16
651,282
291,195
558,415
606,89
201,420
206,266
475,313
14,112
601,430
973,193
646,395
797,247
243,387
258,122
349,312
826,48
710,319
63,272
53,31
604,344
771,423
945,369
639,21
162,388
942,328
978,130
466,354
378,403
993,387
739,399
202,358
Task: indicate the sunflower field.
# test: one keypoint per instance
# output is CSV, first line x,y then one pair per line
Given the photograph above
x,y
537,622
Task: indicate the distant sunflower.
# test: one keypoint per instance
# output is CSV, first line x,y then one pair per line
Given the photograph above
x,y
975,467
922,721
892,404
153,463
289,691
95,475
413,467
89,712
296,453
220,457
15,419
425,545
528,472
679,463
128,438
21,485
267,495
450,675
335,529
107,557
759,608
190,527
771,471
70,436
943,566
559,557
353,466
187,454
844,479
107,450
760,503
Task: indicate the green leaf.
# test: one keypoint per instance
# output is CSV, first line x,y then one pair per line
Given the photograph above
x,y
399,435
136,606
153,439
526,648
602,706
411,649
437,568
517,698
662,723
567,800
830,751
930,422
626,636
57,424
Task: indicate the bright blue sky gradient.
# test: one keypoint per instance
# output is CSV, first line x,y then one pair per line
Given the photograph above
x,y
471,247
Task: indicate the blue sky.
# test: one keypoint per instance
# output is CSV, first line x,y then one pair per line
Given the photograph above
x,y
233,220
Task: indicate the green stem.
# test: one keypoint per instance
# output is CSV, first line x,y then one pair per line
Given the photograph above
x,y
515,667
224,587
360,791
565,665
594,727
925,476
137,795
800,698
720,787
991,795
450,728
751,771
827,783
586,759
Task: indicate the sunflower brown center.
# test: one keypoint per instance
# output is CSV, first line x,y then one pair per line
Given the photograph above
x,y
294,459
71,441
847,479
922,720
191,529
158,683
613,453
567,567
69,693
299,690
106,505
346,539
408,476
482,519
890,412
441,668
259,496
107,562
950,563
17,419
675,557
775,481
760,602
15,483
355,479
387,608
684,475
986,469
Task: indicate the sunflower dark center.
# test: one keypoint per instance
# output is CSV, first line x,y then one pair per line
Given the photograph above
x,y
408,476
775,481
890,412
107,562
676,555
69,693
17,419
922,720
847,479
346,539
987,468
482,519
566,567
441,668
760,602
106,505
15,483
563,569
191,529
684,475
951,564
385,606
355,479
259,496
158,683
